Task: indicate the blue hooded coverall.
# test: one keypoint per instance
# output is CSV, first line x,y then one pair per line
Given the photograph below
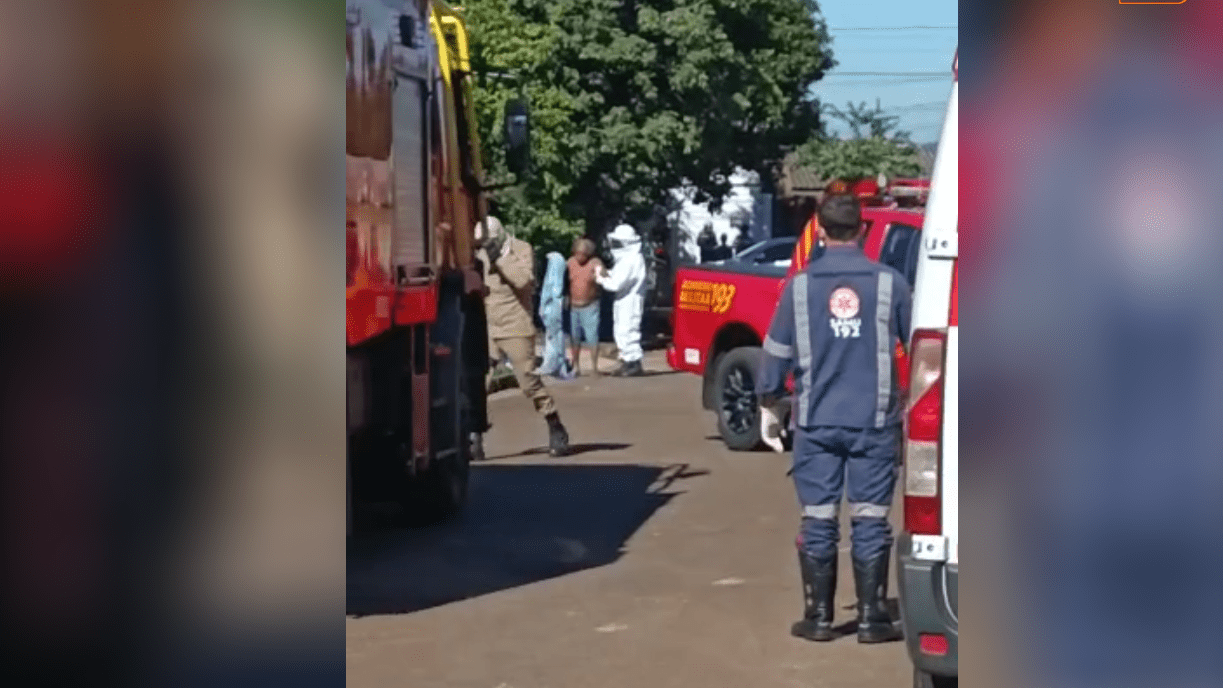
x,y
551,312
836,326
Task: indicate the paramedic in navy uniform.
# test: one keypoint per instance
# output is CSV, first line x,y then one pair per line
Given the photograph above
x,y
836,326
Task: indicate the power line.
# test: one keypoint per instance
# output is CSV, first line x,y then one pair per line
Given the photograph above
x,y
924,103
915,111
938,74
910,107
892,28
894,81
873,49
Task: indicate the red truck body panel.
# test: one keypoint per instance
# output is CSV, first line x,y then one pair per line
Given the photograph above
x,y
719,304
876,220
710,299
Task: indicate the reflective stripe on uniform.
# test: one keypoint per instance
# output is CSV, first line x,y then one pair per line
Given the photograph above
x,y
802,336
866,510
824,511
773,348
883,347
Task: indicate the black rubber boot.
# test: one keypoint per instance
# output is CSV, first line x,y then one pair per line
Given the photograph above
x,y
630,370
875,624
558,437
819,588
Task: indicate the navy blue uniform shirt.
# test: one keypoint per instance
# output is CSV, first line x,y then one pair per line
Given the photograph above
x,y
836,326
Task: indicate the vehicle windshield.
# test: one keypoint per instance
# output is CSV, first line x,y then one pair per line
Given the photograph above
x,y
756,247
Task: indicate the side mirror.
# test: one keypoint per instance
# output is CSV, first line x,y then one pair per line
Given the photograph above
x,y
518,137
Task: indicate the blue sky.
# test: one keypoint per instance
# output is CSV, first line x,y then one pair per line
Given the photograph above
x,y
919,101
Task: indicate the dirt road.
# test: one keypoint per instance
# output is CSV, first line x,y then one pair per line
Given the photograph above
x,y
652,558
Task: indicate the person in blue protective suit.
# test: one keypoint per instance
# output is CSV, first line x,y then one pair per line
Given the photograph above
x,y
836,326
551,312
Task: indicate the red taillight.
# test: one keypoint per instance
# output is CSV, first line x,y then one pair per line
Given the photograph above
x,y
933,644
923,433
926,415
923,515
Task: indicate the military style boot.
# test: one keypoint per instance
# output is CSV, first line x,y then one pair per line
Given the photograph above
x,y
558,437
819,587
875,624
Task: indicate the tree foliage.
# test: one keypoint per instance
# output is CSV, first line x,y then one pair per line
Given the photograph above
x,y
875,146
632,98
868,122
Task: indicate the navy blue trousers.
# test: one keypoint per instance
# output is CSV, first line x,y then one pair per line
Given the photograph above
x,y
825,458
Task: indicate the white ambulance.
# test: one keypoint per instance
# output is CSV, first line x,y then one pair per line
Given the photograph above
x,y
927,551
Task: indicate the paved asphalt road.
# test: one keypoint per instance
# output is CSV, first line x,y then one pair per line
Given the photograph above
x,y
653,558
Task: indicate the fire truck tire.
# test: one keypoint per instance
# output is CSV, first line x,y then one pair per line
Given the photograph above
x,y
735,398
348,527
441,492
923,680
361,515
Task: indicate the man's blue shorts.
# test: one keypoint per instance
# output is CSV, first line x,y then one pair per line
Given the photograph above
x,y
584,324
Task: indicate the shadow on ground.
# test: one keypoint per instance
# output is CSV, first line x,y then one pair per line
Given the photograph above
x,y
574,450
850,627
523,524
653,373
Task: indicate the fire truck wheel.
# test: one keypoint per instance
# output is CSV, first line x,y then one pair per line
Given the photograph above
x,y
441,492
735,398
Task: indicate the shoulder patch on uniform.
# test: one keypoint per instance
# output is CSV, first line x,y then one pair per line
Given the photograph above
x,y
844,302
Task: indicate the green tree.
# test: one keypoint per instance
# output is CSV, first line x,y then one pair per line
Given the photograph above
x,y
632,98
873,120
875,146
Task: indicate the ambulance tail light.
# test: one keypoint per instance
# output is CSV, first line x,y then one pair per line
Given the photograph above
x,y
923,433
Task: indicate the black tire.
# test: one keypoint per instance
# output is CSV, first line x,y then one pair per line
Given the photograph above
x,y
349,527
923,680
734,398
440,493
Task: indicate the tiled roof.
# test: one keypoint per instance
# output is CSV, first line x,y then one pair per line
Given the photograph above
x,y
799,181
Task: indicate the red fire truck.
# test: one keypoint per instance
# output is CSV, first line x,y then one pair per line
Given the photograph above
x,y
723,311
415,326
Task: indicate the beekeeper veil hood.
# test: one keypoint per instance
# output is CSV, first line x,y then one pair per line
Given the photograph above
x,y
491,228
624,238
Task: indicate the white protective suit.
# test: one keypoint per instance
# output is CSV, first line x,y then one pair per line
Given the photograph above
x,y
627,280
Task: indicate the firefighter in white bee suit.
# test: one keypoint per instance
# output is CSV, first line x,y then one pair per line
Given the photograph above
x,y
627,280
